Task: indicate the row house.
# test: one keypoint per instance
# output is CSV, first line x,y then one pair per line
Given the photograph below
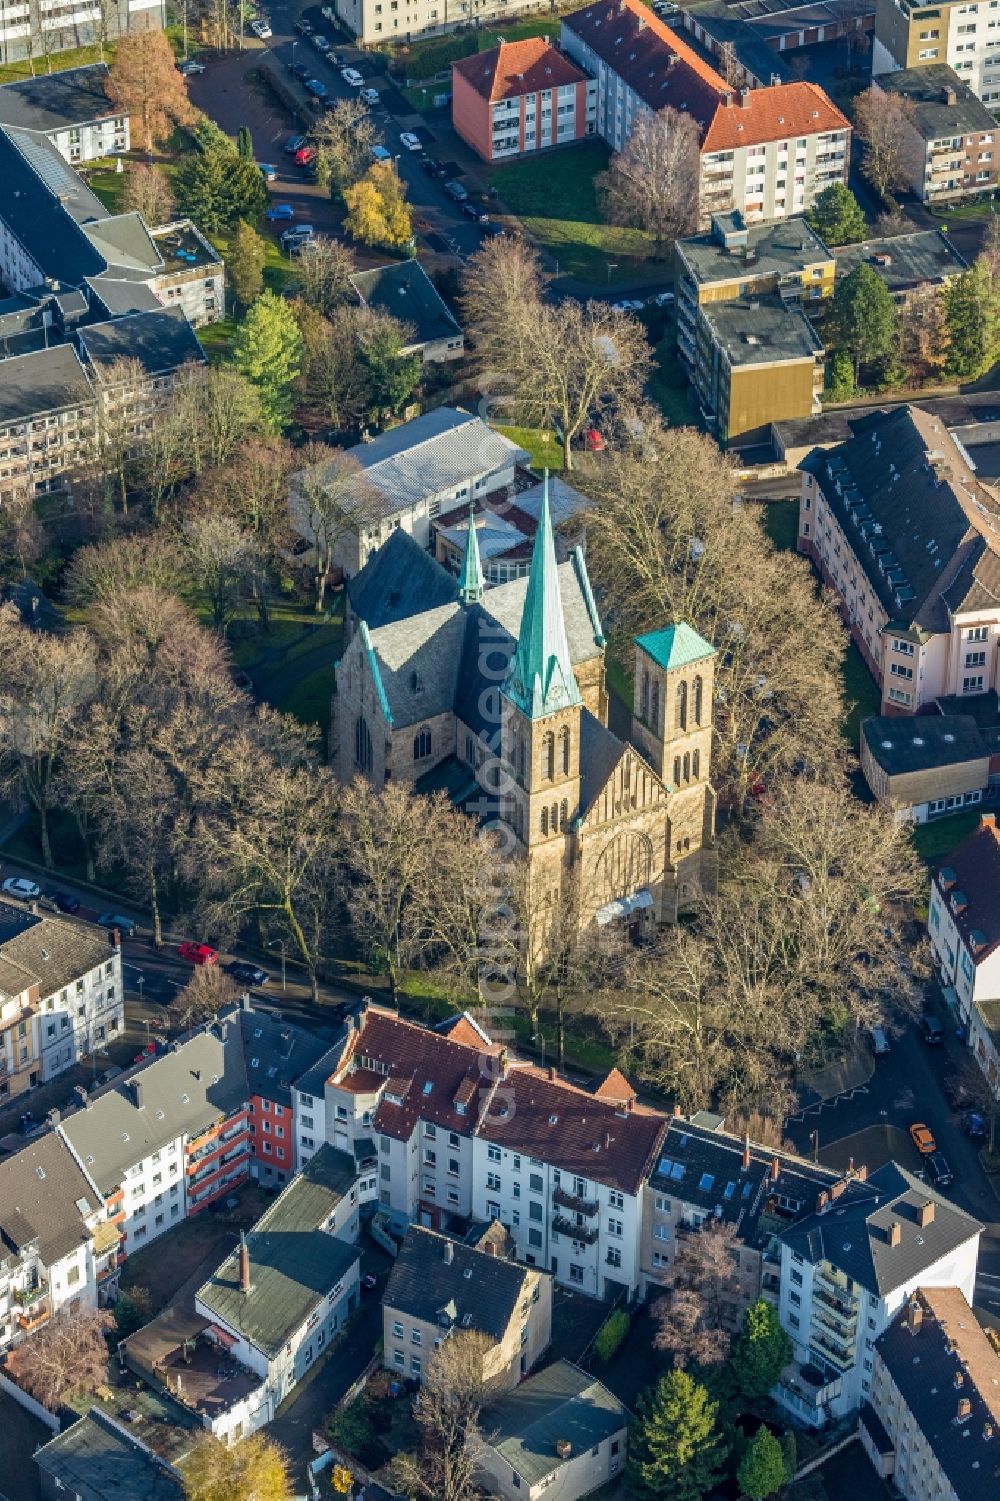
x,y
71,109
61,996
277,1055
903,530
767,153
963,923
372,22
54,1237
519,98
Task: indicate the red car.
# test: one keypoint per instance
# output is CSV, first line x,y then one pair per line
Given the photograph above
x,y
197,953
594,441
304,156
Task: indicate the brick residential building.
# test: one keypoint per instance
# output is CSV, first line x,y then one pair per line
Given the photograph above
x,y
950,145
966,37
521,97
767,152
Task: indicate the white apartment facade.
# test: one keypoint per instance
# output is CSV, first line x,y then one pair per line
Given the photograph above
x,y
964,36
376,21
772,179
53,26
963,923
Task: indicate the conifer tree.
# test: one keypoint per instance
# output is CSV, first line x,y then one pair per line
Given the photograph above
x,y
675,1450
267,352
762,1468
761,1351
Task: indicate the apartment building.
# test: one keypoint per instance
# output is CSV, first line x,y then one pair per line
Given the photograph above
x,y
964,36
757,360
846,1271
932,1424
71,109
765,152
519,98
950,140
963,923
933,766
439,1286
285,1292
79,1462
372,22
61,996
38,32
907,264
414,472
902,528
276,1055
54,1242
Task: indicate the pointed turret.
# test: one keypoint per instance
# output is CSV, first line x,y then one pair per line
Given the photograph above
x,y
470,580
540,679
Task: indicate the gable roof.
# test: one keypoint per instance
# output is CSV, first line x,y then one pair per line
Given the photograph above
x,y
46,1196
772,114
405,291
577,1132
400,579
277,1054
925,1364
675,646
928,88
515,68
472,1290
560,1403
853,1233
973,868
56,101
96,1460
50,951
44,380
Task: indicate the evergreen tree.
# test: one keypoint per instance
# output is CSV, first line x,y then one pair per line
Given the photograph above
x,y
789,1453
862,318
267,352
761,1351
840,376
245,263
217,187
244,143
837,217
762,1468
675,1452
391,375
971,317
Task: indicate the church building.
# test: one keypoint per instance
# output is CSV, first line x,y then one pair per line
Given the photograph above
x,y
498,697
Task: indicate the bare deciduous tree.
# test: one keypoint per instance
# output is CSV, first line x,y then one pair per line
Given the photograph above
x,y
222,558
452,1393
692,1320
147,191
69,1355
652,183
107,570
330,500
883,122
209,991
343,137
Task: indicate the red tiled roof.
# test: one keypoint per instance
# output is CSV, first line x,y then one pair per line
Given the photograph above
x,y
432,1074
975,864
464,1029
573,1130
615,1089
653,60
516,68
772,114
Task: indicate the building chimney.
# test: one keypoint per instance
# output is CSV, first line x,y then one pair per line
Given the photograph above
x,y
503,1063
950,96
838,1188
552,1072
775,1169
914,1315
448,1252
895,1233
746,1153
244,1264
116,938
987,820
987,1431
959,1378
862,1173
676,1112
964,1409
745,98
822,1201
925,1214
136,1088
850,1167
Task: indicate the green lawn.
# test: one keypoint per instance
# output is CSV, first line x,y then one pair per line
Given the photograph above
x,y
781,522
668,385
422,60
861,692
932,840
423,101
57,62
544,447
291,665
556,201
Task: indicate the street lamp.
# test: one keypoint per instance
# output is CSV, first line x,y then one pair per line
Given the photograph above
x,y
814,1138
612,266
279,943
140,981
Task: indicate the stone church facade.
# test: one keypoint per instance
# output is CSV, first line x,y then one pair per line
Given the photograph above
x,y
498,698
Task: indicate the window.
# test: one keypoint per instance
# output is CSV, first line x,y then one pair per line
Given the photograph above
x,y
614,1256
681,716
493,1153
564,749
397,1330
534,1210
616,1200
977,633
697,710
534,1237
975,659
493,1182
548,757
422,744
614,1227
973,684
655,710
535,1182
575,1273
362,746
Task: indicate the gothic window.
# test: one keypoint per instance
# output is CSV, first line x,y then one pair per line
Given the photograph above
x,y
697,700
687,767
563,812
564,749
554,817
545,820
421,744
362,746
682,706
696,764
416,683
644,696
520,757
654,717
677,771
549,755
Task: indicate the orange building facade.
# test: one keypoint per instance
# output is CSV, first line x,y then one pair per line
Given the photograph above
x,y
520,98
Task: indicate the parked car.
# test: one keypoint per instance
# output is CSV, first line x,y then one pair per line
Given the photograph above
x,y
474,212
304,156
491,227
628,305
974,1125
302,26
353,77
880,1043
63,901
329,14
279,211
125,925
457,191
268,172
20,887
294,142
301,71
932,1029
321,43
190,67
261,29
662,299
316,88
197,953
938,1170
593,440
922,1139
297,236
370,96
410,141
247,974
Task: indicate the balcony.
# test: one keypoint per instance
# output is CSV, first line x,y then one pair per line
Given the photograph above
x,y
578,1205
563,1226
34,1317
26,1296
842,1290
840,1311
831,1352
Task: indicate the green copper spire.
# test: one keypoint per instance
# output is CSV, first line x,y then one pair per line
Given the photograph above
x,y
540,678
470,580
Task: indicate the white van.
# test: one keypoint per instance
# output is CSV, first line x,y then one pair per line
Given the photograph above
x,y
880,1043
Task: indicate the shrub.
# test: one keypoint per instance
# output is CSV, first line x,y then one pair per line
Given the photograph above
x,y
611,1334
